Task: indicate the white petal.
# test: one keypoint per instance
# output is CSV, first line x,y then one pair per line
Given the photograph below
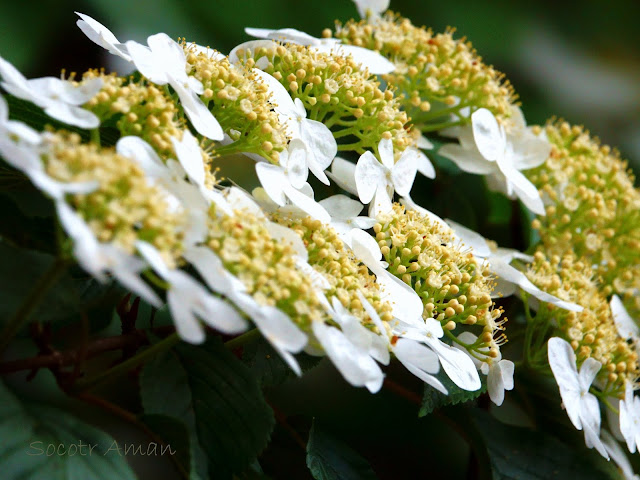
x,y
321,142
424,165
187,325
210,267
626,326
341,207
146,62
404,171
467,160
373,8
618,456
369,175
471,239
307,204
273,181
136,149
101,35
487,134
457,365
588,371
296,163
424,143
419,360
251,46
525,190
343,173
190,157
153,258
500,378
169,55
287,236
376,63
71,115
529,151
202,119
385,152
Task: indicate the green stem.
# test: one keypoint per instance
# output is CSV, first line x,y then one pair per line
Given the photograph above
x,y
127,365
240,340
95,136
31,302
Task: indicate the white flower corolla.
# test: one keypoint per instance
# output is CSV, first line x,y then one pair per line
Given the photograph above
x,y
189,301
101,35
376,63
343,173
99,258
626,326
630,418
26,157
618,456
13,129
376,180
60,99
283,182
498,370
345,217
371,9
276,327
508,278
320,145
405,302
581,406
487,149
164,62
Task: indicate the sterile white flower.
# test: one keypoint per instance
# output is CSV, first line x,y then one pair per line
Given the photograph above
x,y
487,149
60,99
284,181
630,418
98,258
189,301
375,62
320,145
164,62
101,35
344,216
581,406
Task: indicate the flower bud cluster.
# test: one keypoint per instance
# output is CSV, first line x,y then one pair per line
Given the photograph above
x,y
592,209
336,91
346,275
591,332
265,265
126,206
454,288
435,73
239,101
145,110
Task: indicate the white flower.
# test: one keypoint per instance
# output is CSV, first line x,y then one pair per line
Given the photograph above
x,y
509,278
499,372
371,8
618,456
375,62
275,326
60,99
343,173
344,216
581,406
626,326
486,149
377,181
164,62
13,129
630,418
98,258
101,35
284,181
320,145
188,300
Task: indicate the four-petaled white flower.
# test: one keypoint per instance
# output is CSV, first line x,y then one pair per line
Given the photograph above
x,y
102,36
164,62
345,217
487,149
320,145
499,371
375,62
581,406
377,180
630,418
284,181
189,301
60,99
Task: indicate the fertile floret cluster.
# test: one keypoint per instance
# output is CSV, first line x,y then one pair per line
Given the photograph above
x,y
336,92
592,209
436,74
592,332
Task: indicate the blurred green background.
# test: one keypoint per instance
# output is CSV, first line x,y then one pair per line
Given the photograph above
x,y
576,60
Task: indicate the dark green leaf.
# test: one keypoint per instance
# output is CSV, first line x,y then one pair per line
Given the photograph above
x,y
433,399
27,431
268,366
176,439
328,458
518,453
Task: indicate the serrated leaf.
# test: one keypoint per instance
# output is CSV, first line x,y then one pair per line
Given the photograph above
x,y
27,429
267,365
328,458
518,453
433,399
176,438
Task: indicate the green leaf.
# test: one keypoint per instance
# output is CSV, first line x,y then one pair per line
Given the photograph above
x,y
328,458
433,399
28,429
518,453
217,397
267,365
177,441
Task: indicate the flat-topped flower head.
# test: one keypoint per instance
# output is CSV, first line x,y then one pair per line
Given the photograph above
x,y
455,289
440,77
592,209
592,333
335,91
